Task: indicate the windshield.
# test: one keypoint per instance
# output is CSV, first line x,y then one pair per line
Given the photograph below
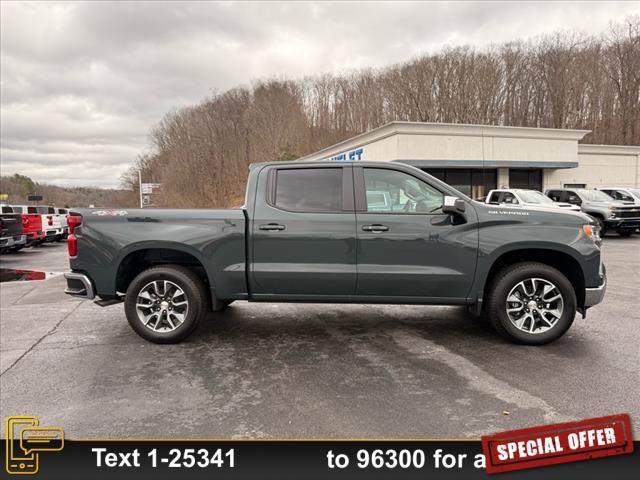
x,y
533,196
635,192
594,195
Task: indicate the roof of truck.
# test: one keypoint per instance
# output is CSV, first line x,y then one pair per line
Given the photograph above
x,y
365,163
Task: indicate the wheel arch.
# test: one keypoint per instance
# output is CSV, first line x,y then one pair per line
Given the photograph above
x,y
562,261
138,258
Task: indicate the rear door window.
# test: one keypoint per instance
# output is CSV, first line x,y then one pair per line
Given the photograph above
x,y
32,210
309,190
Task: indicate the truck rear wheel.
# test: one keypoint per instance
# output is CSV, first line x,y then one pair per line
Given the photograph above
x,y
164,304
531,303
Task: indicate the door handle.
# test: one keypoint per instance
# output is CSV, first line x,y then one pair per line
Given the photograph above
x,y
375,228
272,226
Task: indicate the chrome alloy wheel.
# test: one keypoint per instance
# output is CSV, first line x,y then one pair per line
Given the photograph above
x,y
534,305
162,306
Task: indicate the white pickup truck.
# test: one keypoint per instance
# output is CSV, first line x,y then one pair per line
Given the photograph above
x,y
64,214
52,223
525,198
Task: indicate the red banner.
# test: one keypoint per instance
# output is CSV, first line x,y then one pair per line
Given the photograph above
x,y
559,443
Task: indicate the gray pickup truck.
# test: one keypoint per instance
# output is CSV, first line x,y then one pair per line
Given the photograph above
x,y
11,235
621,216
308,234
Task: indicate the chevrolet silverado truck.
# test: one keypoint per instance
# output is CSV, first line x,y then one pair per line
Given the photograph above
x,y
31,224
307,233
51,223
12,238
623,217
527,198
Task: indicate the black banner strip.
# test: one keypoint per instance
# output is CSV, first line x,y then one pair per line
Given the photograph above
x,y
294,460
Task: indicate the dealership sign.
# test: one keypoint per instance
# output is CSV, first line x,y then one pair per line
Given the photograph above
x,y
352,155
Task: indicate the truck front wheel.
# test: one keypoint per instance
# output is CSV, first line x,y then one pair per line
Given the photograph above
x,y
531,303
164,304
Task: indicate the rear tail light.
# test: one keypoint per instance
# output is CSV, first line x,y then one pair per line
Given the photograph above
x,y
73,221
50,220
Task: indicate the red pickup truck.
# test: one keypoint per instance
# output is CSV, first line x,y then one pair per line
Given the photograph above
x,y
31,223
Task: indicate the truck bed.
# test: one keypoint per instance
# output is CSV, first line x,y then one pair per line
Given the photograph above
x,y
212,238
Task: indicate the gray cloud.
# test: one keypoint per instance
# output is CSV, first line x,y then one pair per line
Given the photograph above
x,y
82,83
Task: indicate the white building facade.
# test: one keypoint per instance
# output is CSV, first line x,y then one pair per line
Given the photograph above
x,y
477,158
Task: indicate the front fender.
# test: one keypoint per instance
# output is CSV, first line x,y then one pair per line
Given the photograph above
x,y
569,241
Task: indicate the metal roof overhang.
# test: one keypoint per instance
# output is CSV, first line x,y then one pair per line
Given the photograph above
x,y
487,164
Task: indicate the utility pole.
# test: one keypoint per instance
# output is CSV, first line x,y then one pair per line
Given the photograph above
x,y
140,186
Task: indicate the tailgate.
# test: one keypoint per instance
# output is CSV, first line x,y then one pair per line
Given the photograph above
x,y
11,224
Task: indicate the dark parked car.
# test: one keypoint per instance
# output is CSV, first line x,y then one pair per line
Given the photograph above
x,y
307,233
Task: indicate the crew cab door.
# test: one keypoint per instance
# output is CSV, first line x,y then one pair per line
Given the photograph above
x,y
411,249
303,232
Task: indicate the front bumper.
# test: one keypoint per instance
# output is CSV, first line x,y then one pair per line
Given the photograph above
x,y
622,223
53,232
594,296
34,236
79,285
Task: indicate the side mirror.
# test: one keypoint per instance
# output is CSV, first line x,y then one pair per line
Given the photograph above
x,y
453,205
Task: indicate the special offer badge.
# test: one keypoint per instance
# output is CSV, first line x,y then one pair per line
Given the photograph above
x,y
558,443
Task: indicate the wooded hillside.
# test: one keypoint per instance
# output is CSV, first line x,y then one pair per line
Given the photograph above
x,y
200,154
19,187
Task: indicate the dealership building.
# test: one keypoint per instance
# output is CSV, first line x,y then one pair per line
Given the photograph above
x,y
477,158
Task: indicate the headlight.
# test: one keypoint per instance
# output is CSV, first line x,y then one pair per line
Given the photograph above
x,y
592,232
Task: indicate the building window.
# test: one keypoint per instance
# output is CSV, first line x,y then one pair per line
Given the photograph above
x,y
574,185
530,179
475,183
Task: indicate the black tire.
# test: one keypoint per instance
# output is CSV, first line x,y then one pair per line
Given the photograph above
x,y
194,291
508,279
625,232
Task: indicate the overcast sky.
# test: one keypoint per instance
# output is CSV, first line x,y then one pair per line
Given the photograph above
x,y
82,83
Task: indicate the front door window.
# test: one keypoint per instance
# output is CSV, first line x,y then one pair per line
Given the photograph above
x,y
391,191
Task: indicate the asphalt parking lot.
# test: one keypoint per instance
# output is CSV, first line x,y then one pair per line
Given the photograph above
x,y
309,371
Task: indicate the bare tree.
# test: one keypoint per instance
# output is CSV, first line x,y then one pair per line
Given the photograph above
x,y
565,80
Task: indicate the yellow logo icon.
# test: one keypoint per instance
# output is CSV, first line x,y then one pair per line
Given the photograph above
x,y
25,440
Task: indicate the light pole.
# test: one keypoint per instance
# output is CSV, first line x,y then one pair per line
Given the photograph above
x,y
140,186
